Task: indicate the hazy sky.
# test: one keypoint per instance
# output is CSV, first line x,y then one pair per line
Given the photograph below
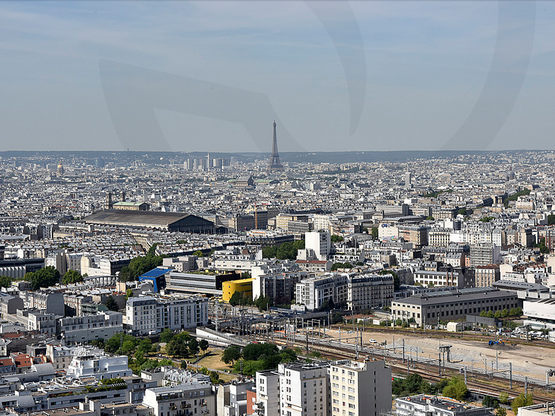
x,y
363,75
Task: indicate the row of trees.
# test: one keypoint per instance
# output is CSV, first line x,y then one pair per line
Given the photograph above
x,y
284,251
242,299
257,357
140,265
453,387
46,277
183,345
345,265
502,314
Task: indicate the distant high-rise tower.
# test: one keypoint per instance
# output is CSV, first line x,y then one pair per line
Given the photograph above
x,y
109,203
408,180
275,164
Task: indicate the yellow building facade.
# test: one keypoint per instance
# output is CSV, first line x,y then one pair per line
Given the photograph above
x,y
229,288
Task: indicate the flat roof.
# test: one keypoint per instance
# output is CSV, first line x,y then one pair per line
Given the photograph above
x,y
129,217
434,298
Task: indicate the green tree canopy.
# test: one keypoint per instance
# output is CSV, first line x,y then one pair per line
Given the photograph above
x,y
231,354
140,265
284,251
72,277
46,277
456,389
203,345
396,279
111,304
5,281
166,335
520,401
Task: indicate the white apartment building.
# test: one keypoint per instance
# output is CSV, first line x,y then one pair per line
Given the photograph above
x,y
185,399
267,393
356,292
146,315
78,329
90,363
360,389
303,389
319,243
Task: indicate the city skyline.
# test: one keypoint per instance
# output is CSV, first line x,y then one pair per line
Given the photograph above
x,y
422,70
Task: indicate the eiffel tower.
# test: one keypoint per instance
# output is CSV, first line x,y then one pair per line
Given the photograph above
x,y
275,164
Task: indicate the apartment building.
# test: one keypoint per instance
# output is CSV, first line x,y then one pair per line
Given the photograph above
x,y
90,363
149,315
183,400
267,393
360,389
88,328
356,292
304,389
486,276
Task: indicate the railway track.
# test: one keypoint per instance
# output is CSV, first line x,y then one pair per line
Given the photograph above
x,y
427,372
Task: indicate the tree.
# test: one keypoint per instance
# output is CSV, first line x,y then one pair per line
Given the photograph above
x,y
456,389
214,377
231,354
193,346
489,401
504,398
111,304
72,277
336,238
46,277
203,345
396,279
128,347
152,250
521,401
145,346
501,411
183,365
236,299
140,265
5,281
128,294
198,253
375,233
166,335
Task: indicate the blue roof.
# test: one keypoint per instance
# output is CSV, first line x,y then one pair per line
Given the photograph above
x,y
157,272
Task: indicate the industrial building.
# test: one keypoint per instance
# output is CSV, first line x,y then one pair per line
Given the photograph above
x,y
167,221
433,307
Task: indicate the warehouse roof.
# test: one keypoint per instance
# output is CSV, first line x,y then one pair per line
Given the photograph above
x,y
434,298
136,218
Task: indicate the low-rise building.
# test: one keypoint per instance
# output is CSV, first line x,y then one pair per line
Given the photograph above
x,y
451,305
426,405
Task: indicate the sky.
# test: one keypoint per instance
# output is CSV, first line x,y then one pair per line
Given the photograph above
x,y
335,75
